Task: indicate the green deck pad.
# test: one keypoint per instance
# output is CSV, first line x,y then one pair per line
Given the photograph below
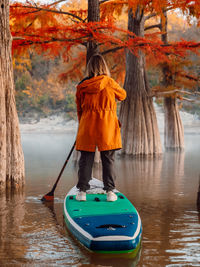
x,y
94,208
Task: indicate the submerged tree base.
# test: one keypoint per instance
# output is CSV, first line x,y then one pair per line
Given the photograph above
x,y
175,149
140,133
174,133
11,154
140,156
11,187
198,197
11,183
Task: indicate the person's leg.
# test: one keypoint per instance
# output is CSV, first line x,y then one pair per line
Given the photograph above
x,y
85,170
107,158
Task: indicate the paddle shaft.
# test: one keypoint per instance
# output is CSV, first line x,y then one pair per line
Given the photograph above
x,y
61,172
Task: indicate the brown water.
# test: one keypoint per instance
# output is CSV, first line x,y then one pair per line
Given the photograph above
x,y
163,191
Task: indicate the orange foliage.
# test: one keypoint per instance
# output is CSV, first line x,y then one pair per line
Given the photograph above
x,y
56,31
190,8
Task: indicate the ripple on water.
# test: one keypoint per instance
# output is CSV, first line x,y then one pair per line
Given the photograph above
x,y
34,199
185,240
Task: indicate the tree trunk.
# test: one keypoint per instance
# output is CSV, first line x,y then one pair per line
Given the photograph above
x,y
198,197
92,48
140,134
174,132
93,15
11,155
174,136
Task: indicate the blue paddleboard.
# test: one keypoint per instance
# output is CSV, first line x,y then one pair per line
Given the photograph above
x,y
102,226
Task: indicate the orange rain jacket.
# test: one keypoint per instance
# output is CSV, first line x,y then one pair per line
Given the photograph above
x,y
96,108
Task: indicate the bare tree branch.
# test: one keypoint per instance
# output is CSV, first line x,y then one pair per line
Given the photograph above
x,y
50,10
57,2
112,50
187,92
188,99
17,38
103,1
31,12
151,15
31,42
190,77
152,27
176,91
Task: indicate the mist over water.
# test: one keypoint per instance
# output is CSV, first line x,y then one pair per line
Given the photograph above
x,y
163,191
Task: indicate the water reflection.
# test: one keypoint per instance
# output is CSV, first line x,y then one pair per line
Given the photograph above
x,y
93,259
163,190
12,214
140,174
115,261
159,191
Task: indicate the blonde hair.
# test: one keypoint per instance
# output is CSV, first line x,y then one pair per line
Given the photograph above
x,y
97,66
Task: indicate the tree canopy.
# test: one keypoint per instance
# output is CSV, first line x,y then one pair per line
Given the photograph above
x,y
56,30
64,31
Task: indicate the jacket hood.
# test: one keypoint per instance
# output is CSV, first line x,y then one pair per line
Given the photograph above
x,y
93,85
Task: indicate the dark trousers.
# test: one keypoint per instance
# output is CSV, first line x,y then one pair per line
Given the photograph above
x,y
85,169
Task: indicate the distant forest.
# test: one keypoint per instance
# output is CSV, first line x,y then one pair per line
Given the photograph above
x,y
39,90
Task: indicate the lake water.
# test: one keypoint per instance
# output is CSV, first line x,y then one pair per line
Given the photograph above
x,y
163,190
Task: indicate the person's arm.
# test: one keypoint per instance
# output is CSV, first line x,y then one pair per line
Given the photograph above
x,y
120,93
78,105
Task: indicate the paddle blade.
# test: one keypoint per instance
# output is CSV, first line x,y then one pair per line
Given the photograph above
x,y
48,197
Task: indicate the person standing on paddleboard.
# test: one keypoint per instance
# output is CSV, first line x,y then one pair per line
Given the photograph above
x,y
98,125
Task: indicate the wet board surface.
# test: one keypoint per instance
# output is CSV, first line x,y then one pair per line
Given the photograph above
x,y
102,226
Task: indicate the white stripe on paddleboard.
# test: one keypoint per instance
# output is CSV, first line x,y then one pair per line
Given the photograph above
x,y
101,238
86,234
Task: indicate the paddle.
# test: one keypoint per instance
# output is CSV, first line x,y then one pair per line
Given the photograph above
x,y
50,195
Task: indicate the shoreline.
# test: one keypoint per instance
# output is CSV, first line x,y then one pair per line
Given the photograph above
x,y
59,124
50,124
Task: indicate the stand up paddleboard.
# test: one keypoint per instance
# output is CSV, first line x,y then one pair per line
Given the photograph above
x,y
102,226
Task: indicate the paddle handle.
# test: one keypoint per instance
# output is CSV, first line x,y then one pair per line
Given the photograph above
x,y
61,172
